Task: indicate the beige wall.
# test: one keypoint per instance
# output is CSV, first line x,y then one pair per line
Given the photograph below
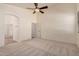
x,y
77,26
58,23
22,24
25,18
1,25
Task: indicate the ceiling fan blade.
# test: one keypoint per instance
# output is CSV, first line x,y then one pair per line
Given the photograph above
x,y
41,11
34,12
36,4
45,7
30,8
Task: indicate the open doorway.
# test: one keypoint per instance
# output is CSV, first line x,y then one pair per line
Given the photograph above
x,y
34,30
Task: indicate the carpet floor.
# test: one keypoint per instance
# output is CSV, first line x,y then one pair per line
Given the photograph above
x,y
39,47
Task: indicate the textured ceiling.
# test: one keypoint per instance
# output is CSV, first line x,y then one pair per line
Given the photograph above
x,y
29,5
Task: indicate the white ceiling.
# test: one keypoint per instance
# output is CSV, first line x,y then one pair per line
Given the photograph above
x,y
29,5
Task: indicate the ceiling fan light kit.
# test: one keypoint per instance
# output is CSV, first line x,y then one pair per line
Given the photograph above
x,y
37,9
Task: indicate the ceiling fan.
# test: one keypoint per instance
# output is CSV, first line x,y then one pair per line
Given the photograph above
x,y
37,9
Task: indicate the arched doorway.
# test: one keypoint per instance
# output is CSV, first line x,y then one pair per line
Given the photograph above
x,y
11,28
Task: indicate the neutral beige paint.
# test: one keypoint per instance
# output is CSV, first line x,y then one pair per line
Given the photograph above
x,y
1,25
58,23
77,26
23,17
25,21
